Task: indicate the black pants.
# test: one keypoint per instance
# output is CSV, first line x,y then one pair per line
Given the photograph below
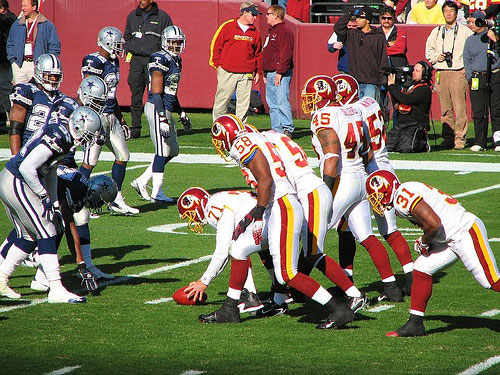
x,y
138,80
479,111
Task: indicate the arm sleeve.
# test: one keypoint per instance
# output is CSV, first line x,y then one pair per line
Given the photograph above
x,y
286,53
30,165
431,51
467,61
10,44
216,46
333,38
399,46
415,97
400,6
384,61
127,35
54,44
225,228
341,27
50,181
258,54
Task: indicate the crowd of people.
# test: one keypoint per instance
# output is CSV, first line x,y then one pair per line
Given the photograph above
x,y
291,210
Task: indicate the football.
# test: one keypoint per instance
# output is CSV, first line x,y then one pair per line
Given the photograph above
x,y
181,298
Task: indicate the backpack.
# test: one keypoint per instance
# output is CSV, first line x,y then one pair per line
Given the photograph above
x,y
408,138
256,105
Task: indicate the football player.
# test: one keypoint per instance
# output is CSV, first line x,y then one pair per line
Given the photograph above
x,y
276,200
223,211
449,233
343,148
164,75
105,64
347,90
28,191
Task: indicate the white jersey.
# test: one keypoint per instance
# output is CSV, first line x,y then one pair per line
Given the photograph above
x,y
297,168
374,121
454,218
347,123
223,211
243,151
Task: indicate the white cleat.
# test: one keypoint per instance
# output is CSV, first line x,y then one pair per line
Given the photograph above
x,y
162,198
98,273
7,292
140,189
61,295
39,286
120,207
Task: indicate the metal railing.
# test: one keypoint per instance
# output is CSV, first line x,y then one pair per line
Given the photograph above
x,y
323,12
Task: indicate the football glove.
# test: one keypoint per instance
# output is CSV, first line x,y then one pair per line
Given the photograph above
x,y
88,279
164,127
255,214
186,122
258,226
48,208
126,131
100,138
420,247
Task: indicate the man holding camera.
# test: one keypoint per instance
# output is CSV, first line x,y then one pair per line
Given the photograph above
x,y
484,81
444,49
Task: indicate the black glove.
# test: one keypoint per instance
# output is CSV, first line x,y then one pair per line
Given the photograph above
x,y
48,208
186,122
88,279
255,213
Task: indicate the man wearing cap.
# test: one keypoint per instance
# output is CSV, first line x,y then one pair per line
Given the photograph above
x,y
236,55
482,84
367,51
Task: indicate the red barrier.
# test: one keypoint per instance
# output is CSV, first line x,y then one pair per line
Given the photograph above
x,y
78,23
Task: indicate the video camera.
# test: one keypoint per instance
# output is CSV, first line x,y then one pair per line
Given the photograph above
x,y
403,74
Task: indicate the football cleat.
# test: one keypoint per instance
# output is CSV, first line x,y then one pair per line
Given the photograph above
x,y
358,303
391,293
120,207
39,286
249,302
61,295
5,291
410,329
225,314
272,309
162,198
337,319
140,189
98,274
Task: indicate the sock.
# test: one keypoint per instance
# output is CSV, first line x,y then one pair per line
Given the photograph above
x,y
118,174
322,296
157,182
50,265
334,272
379,256
84,171
249,282
400,247
40,276
353,292
306,285
239,271
144,178
13,259
421,291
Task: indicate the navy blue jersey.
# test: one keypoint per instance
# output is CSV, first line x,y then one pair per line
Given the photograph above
x,y
109,70
171,67
55,136
38,106
64,108
72,187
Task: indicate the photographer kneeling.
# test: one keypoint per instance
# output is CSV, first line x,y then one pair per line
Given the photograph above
x,y
412,105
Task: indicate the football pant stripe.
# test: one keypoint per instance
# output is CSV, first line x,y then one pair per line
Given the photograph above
x,y
286,238
313,222
483,251
18,188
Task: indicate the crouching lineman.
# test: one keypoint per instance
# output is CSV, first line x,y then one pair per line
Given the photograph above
x,y
276,200
164,75
223,211
450,233
28,186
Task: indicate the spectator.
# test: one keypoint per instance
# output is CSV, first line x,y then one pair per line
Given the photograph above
x,y
236,55
30,36
484,88
142,38
335,45
426,12
7,18
444,49
277,62
367,48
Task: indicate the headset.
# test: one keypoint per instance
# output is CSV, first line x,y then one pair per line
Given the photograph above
x,y
426,71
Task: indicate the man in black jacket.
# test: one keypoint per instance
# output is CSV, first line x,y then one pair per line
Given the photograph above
x,y
142,38
7,18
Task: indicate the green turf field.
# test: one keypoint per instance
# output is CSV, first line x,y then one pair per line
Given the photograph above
x,y
129,326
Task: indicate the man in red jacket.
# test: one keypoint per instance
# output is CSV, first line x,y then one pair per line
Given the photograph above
x,y
278,69
236,55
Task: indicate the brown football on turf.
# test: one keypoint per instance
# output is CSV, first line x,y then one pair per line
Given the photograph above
x,y
181,298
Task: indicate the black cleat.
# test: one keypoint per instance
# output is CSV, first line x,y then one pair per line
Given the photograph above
x,y
249,302
338,318
272,309
409,281
228,313
391,293
410,329
358,303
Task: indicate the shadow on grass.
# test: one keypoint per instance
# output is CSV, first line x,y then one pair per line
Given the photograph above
x,y
378,286
463,322
12,302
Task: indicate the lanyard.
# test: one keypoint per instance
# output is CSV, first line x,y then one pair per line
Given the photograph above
x,y
455,32
28,32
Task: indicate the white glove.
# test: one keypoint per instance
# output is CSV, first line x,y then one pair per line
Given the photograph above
x,y
126,131
164,127
420,247
257,231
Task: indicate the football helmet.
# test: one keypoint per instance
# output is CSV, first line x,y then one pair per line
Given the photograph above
x,y
93,93
381,186
250,128
190,205
347,88
225,130
84,126
73,185
318,92
102,190
173,40
48,72
110,39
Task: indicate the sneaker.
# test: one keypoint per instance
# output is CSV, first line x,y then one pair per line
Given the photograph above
x,y
98,273
249,302
337,319
410,329
140,189
272,309
477,148
225,314
358,303
162,198
8,292
391,293
61,295
120,207
39,286
497,149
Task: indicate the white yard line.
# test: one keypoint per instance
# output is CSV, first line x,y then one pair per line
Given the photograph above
x,y
480,367
490,313
192,372
380,308
158,301
63,370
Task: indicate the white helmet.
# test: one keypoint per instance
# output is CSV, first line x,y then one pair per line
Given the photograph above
x,y
110,39
46,66
93,93
84,125
173,40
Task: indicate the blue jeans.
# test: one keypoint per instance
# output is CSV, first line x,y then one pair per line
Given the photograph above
x,y
278,100
369,89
